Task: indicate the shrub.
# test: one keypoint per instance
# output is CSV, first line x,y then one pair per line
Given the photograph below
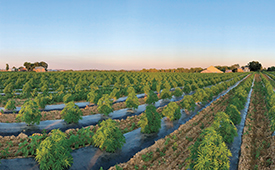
x,y
199,95
54,152
150,121
8,90
132,101
165,94
29,113
68,98
172,111
152,98
34,93
146,89
108,136
236,102
114,94
167,85
188,103
10,105
71,113
177,92
209,152
27,90
91,96
41,101
233,113
83,136
209,94
45,89
194,86
225,127
187,88
104,105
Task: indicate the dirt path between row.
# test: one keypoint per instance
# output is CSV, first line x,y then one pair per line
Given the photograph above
x,y
257,149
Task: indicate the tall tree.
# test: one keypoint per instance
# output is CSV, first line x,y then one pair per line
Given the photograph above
x,y
254,66
7,67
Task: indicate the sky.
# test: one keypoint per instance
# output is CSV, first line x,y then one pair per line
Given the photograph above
x,y
135,34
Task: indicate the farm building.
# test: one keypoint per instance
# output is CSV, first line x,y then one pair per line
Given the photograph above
x,y
228,71
22,69
246,69
39,69
212,69
240,70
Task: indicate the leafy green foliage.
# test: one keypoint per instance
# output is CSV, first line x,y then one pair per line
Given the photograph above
x,y
150,121
68,98
187,88
146,89
233,113
41,101
188,103
177,92
104,105
8,90
209,152
54,152
29,145
91,96
26,90
152,98
45,89
29,113
225,127
132,101
108,136
199,95
10,105
165,94
172,111
83,136
71,113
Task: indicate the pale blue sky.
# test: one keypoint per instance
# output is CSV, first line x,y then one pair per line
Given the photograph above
x,y
136,34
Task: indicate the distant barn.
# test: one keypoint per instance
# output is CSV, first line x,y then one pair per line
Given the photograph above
x,y
228,71
240,70
212,69
39,69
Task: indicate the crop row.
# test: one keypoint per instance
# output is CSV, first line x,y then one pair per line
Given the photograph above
x,y
257,150
80,86
172,151
171,111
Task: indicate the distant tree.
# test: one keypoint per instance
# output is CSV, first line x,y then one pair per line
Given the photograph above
x,y
271,68
254,66
28,66
7,67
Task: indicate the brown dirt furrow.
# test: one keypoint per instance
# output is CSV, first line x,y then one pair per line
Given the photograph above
x,y
256,150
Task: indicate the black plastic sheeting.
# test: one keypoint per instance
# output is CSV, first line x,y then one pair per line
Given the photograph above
x,y
8,129
61,106
92,158
235,147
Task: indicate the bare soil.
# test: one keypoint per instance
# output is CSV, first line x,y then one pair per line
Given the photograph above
x,y
257,149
